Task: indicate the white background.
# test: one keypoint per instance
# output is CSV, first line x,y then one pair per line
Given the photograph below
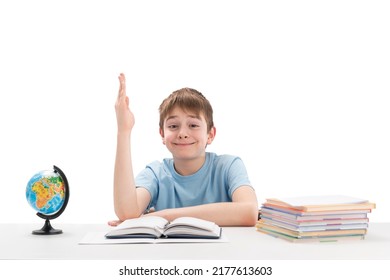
x,y
300,91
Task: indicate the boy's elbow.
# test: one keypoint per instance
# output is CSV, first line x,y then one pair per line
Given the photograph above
x,y
251,220
123,215
251,215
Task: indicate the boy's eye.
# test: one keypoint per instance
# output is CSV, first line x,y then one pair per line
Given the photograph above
x,y
172,126
194,125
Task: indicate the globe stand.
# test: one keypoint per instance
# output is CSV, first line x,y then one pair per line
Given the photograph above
x,y
47,229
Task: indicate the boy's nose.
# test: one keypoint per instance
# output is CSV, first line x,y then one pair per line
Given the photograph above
x,y
183,133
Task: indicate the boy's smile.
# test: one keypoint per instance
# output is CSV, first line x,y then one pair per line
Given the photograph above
x,y
183,144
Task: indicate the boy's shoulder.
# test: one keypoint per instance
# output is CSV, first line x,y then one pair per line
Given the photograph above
x,y
222,157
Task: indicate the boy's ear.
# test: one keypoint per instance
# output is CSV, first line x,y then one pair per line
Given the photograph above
x,y
162,135
211,136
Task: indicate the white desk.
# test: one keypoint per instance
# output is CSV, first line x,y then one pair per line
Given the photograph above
x,y
17,243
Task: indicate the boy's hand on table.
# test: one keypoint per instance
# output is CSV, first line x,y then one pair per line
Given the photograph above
x,y
114,223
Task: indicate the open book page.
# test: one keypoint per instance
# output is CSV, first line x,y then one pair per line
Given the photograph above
x,y
145,221
194,222
147,225
320,200
188,226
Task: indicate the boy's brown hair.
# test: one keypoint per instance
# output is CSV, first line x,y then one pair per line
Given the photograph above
x,y
187,99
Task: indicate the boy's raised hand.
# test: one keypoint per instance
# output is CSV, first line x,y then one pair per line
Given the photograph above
x,y
124,116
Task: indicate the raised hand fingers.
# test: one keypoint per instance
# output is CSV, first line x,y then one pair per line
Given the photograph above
x,y
122,85
125,117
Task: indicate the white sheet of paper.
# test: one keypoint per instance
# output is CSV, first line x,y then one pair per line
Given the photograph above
x,y
94,238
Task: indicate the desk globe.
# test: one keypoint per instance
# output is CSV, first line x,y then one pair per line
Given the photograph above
x,y
47,192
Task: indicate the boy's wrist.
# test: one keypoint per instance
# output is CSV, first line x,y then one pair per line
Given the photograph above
x,y
124,133
166,214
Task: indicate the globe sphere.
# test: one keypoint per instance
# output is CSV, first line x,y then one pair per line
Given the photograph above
x,y
46,192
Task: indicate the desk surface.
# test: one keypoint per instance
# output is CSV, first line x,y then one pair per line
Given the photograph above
x,y
17,242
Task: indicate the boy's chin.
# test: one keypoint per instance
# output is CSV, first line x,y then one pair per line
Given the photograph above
x,y
187,156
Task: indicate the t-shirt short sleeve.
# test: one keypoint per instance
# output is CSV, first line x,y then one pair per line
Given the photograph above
x,y
237,176
148,180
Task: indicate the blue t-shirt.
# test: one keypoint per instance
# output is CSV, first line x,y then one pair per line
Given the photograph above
x,y
214,182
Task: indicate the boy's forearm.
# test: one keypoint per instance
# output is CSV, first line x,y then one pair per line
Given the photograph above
x,y
125,198
223,214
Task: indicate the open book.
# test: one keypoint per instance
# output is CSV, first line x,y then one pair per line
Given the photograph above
x,y
158,227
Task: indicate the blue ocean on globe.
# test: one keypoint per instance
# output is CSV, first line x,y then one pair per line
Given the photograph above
x,y
45,192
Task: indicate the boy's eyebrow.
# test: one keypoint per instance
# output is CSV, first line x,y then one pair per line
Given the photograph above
x,y
195,117
171,117
191,116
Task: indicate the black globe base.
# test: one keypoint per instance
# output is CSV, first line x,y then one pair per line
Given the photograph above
x,y
47,229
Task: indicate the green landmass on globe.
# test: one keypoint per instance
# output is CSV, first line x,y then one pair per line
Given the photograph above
x,y
45,192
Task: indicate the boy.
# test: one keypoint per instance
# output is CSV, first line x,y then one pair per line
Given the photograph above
x,y
193,183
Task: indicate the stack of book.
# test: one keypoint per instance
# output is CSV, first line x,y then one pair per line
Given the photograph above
x,y
315,218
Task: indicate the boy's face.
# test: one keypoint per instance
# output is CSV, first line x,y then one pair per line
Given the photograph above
x,y
185,134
